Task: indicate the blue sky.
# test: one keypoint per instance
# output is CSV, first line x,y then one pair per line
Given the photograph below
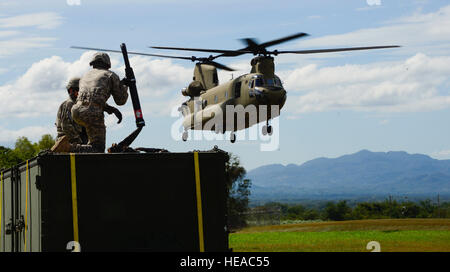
x,y
339,103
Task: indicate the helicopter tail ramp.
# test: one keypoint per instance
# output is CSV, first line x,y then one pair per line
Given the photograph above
x,y
115,202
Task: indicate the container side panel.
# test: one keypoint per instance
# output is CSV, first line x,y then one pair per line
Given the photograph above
x,y
5,204
56,204
7,215
2,213
133,202
34,213
212,174
137,203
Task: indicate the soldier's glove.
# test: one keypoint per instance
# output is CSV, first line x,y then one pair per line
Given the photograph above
x,y
110,110
125,81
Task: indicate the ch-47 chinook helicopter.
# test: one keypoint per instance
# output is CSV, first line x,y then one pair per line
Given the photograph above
x,y
260,87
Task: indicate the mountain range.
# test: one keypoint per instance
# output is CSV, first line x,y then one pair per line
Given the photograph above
x,y
364,173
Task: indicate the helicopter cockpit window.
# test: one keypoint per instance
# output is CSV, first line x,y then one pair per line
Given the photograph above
x,y
273,82
259,82
252,84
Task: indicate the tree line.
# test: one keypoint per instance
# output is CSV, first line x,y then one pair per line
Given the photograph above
x,y
23,150
341,210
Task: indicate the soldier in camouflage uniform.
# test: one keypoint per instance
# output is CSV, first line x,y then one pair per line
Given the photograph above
x,y
96,86
66,127
64,122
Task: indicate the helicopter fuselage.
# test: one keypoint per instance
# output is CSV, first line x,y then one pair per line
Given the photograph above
x,y
252,93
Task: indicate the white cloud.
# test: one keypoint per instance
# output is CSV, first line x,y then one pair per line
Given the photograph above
x,y
43,20
18,45
15,41
41,89
8,33
158,78
416,32
419,83
33,133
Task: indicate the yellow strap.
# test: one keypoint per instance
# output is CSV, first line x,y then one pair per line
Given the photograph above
x,y
74,197
1,207
199,203
26,208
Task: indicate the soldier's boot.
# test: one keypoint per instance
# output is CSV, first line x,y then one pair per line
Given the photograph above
x,y
88,148
62,145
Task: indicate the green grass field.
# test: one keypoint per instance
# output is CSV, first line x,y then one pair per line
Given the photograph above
x,y
401,235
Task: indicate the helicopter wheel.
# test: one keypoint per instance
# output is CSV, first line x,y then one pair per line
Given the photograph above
x,y
232,137
185,136
269,130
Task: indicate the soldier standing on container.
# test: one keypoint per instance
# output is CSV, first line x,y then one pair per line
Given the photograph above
x,y
96,86
66,126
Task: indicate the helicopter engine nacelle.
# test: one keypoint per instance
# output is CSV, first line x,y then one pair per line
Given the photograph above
x,y
194,89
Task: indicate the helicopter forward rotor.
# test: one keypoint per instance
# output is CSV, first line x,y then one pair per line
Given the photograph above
x,y
255,48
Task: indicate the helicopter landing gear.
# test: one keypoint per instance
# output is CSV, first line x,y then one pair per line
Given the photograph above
x,y
267,129
185,136
232,137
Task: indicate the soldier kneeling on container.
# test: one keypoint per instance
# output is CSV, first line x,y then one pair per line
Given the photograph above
x,y
65,126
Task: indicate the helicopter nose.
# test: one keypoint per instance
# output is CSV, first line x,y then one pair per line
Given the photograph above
x,y
276,97
282,99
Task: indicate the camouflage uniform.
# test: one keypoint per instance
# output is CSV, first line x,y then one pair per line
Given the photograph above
x,y
96,86
65,125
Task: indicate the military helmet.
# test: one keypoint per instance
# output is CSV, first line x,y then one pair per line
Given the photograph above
x,y
101,57
73,83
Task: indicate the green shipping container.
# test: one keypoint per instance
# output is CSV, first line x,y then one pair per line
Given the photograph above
x,y
115,202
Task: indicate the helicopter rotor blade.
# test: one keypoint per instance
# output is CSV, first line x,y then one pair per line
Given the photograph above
x,y
282,40
312,51
250,42
134,53
193,58
254,47
196,49
219,66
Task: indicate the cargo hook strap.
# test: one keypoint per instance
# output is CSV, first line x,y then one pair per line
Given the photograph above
x,y
74,197
199,203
